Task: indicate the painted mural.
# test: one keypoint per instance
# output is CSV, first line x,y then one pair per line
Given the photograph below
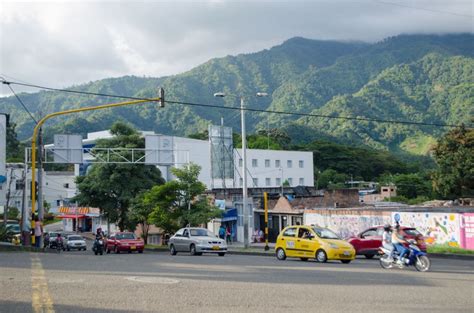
x,y
438,228
346,225
467,231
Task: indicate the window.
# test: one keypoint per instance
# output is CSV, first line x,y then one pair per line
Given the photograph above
x,y
384,189
268,181
19,185
301,181
278,181
290,232
241,182
289,163
369,233
267,163
66,185
301,163
240,162
255,182
277,163
304,233
290,181
254,162
185,233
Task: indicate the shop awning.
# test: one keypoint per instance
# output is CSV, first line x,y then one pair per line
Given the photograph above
x,y
229,215
71,216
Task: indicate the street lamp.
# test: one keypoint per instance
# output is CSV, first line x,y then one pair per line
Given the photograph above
x,y
244,164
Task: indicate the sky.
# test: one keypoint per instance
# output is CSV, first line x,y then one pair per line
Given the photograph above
x,y
59,44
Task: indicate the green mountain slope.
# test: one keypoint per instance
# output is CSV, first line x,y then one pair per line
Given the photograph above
x,y
409,77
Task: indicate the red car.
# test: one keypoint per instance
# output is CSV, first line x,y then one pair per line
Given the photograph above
x,y
124,242
368,242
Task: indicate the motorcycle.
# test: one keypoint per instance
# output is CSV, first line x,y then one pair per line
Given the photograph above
x,y
415,257
98,246
59,245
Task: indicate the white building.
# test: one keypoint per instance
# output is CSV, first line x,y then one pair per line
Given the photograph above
x,y
57,187
265,168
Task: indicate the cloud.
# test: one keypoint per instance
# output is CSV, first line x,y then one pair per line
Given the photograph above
x,y
63,43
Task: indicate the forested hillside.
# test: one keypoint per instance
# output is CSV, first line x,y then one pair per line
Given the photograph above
x,y
422,78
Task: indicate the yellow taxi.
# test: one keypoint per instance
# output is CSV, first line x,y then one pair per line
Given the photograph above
x,y
316,242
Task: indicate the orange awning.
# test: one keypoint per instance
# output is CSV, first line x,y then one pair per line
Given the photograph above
x,y
71,216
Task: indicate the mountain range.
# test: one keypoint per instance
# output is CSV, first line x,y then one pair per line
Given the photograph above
x,y
417,78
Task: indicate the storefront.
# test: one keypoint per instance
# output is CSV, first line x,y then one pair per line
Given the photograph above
x,y
81,219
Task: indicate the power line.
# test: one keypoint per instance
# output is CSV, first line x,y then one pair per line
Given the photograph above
x,y
423,9
366,119
19,100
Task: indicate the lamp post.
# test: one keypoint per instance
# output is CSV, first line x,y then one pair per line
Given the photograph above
x,y
244,165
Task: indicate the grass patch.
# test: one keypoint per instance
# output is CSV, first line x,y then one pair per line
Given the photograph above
x,y
54,220
448,249
418,144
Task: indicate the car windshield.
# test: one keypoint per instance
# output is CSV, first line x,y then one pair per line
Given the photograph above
x,y
125,236
412,232
14,227
74,238
325,233
201,233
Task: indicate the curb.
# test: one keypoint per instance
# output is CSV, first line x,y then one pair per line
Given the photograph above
x,y
451,256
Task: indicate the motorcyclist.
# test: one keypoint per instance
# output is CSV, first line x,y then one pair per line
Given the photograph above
x,y
46,240
59,241
98,236
398,240
387,240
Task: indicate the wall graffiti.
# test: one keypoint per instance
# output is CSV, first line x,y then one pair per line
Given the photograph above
x,y
346,225
438,228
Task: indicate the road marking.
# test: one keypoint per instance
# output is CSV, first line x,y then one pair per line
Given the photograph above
x,y
41,299
153,280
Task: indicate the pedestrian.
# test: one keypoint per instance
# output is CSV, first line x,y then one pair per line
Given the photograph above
x,y
38,232
222,231
228,234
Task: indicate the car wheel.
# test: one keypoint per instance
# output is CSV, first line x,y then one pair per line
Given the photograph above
x,y
346,261
140,251
221,253
68,249
304,259
192,250
173,250
95,252
117,250
101,252
107,250
321,256
280,254
369,256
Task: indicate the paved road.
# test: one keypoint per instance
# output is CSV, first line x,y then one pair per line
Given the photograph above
x,y
158,282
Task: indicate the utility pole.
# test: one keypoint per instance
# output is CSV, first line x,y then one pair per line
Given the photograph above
x,y
265,205
24,214
40,181
244,176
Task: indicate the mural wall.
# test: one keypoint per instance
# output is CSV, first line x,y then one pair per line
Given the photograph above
x,y
438,228
346,223
453,229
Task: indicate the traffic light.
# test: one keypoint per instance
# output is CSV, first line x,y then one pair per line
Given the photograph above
x,y
35,191
162,98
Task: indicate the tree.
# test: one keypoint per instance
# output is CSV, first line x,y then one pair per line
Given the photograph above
x,y
180,202
13,145
139,214
111,187
454,155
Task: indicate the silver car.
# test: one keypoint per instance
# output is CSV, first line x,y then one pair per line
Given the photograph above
x,y
75,242
196,241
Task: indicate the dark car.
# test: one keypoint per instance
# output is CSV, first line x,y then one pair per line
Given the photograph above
x,y
368,242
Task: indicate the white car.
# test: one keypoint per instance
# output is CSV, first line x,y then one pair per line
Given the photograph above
x,y
75,242
196,241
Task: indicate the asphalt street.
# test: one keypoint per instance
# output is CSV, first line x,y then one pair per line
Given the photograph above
x,y
158,282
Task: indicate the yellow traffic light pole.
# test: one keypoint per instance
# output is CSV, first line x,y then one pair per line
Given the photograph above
x,y
44,119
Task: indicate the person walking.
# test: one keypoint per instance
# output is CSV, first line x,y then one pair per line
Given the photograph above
x,y
222,232
228,235
38,232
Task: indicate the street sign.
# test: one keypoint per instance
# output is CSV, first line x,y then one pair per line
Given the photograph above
x,y
68,149
159,149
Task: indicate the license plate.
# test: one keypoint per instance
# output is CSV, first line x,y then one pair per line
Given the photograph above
x,y
133,247
215,247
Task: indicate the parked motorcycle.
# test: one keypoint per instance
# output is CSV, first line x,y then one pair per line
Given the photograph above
x,y
98,246
415,257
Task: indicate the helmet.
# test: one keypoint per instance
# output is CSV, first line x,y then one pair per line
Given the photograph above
x,y
387,227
